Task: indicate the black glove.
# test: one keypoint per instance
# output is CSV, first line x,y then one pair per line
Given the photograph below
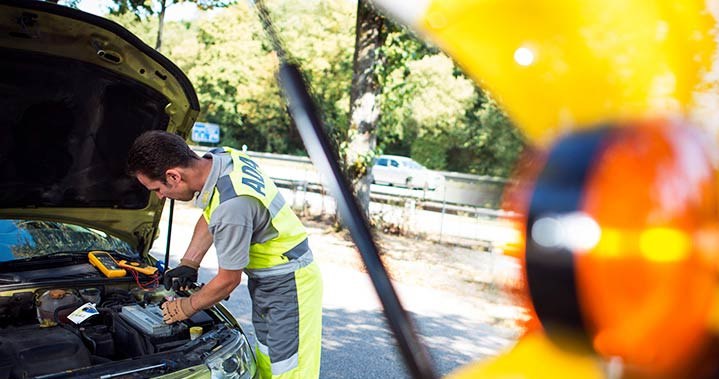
x,y
180,277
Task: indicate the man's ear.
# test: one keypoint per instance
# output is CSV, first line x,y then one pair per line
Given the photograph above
x,y
173,176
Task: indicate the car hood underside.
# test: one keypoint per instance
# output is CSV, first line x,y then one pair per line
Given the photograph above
x,y
75,91
63,131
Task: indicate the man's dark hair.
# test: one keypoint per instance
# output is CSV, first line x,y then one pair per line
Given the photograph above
x,y
156,151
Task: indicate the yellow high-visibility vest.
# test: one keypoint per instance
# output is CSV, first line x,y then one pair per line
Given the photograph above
x,y
248,179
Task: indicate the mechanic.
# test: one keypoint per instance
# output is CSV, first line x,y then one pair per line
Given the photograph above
x,y
255,231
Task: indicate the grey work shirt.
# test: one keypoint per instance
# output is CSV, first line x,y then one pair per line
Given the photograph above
x,y
236,223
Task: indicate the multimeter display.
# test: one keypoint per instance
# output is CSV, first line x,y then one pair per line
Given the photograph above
x,y
107,261
106,264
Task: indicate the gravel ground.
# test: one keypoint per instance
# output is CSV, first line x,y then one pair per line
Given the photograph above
x,y
486,280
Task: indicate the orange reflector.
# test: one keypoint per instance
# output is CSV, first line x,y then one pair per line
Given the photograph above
x,y
646,288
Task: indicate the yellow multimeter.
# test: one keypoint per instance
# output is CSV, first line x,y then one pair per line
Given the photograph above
x,y
137,266
106,264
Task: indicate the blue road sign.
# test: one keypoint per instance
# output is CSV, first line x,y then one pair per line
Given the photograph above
x,y
206,132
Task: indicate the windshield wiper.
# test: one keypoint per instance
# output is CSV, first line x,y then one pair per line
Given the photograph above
x,y
9,280
130,258
62,258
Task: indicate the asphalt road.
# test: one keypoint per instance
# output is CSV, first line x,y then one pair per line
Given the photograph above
x,y
356,341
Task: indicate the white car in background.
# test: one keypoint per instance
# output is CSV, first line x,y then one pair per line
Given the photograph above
x,y
403,171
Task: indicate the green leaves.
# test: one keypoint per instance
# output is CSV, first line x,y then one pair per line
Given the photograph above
x,y
432,112
488,142
143,8
428,109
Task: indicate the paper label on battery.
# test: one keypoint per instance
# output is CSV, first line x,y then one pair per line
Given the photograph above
x,y
83,313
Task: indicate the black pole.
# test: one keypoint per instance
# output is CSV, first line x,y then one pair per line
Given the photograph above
x,y
169,234
324,158
305,115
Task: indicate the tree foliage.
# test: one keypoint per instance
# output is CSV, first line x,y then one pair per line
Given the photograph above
x,y
435,114
487,143
142,8
428,109
146,8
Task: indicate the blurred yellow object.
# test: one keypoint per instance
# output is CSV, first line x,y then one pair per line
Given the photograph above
x,y
534,357
559,65
645,288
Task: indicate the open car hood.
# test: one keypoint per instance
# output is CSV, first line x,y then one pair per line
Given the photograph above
x,y
75,91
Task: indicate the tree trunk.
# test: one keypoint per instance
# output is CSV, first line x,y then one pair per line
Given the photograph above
x,y
364,106
161,24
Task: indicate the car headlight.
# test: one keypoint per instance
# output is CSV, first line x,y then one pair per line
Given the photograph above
x,y
233,359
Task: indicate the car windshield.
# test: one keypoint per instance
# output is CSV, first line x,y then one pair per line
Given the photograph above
x,y
22,239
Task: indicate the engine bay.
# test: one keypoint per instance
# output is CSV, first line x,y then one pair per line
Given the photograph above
x,y
123,332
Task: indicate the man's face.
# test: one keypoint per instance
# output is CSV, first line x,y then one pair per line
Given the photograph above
x,y
174,188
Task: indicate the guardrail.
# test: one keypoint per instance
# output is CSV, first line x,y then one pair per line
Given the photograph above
x,y
482,192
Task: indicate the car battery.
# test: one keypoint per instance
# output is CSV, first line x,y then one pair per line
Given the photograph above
x,y
149,320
